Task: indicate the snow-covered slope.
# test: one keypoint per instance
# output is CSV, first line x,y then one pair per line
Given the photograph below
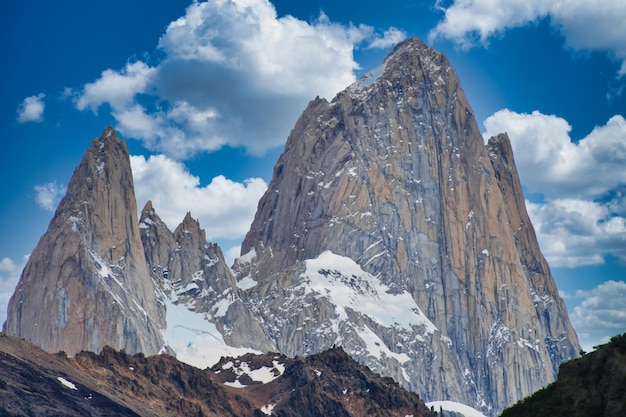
x,y
195,340
462,409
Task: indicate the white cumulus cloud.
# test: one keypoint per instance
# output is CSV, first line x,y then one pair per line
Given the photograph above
x,y
585,24
574,232
389,38
31,109
582,215
549,161
601,313
234,73
225,208
116,88
49,194
231,254
9,276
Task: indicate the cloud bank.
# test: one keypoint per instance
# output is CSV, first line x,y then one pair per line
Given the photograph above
x,y
601,314
224,208
31,109
233,74
581,215
584,24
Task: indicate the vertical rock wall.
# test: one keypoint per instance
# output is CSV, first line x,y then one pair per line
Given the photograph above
x,y
86,284
394,174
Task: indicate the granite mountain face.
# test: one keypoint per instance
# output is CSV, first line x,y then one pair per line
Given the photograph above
x,y
86,284
190,272
389,195
389,228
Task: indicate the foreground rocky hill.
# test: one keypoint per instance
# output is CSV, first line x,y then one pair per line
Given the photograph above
x,y
593,385
33,382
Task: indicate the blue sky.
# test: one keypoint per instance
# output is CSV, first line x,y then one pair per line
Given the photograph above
x,y
206,93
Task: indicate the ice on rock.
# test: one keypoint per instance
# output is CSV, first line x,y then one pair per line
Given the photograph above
x,y
346,285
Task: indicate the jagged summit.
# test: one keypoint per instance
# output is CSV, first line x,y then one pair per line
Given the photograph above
x,y
389,228
86,284
389,189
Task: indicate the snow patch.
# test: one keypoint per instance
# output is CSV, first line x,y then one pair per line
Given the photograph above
x,y
346,285
247,258
195,340
67,383
499,334
210,261
76,221
246,283
235,384
455,407
103,268
376,347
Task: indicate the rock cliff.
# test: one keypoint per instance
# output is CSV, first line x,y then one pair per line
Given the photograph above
x,y
86,284
391,229
191,272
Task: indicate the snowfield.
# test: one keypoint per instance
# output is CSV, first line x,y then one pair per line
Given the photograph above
x,y
466,410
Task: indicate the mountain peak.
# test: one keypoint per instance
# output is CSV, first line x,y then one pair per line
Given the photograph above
x,y
191,227
148,206
393,179
91,252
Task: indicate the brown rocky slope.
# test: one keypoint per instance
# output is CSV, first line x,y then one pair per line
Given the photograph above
x,y
33,382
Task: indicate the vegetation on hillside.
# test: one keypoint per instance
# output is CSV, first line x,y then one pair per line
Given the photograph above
x,y
593,385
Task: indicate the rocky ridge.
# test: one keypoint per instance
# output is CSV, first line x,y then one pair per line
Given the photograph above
x,y
192,273
33,382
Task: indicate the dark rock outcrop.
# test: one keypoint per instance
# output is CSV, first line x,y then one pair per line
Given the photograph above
x,y
33,382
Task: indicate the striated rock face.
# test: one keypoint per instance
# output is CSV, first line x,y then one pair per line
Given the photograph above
x,y
86,284
191,272
391,229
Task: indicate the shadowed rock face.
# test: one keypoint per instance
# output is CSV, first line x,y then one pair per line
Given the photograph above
x,y
592,385
86,284
394,175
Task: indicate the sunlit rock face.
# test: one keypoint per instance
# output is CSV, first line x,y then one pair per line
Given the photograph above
x,y
86,284
390,228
